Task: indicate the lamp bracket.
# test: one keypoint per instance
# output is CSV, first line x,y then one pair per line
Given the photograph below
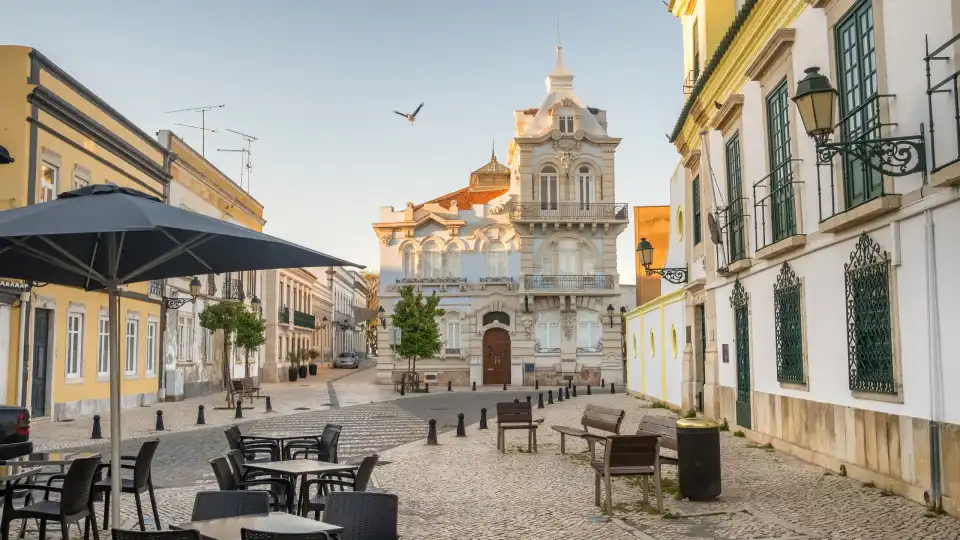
x,y
176,303
677,276
893,156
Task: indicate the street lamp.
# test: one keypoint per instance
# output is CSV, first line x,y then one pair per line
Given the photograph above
x,y
610,312
383,316
676,276
177,303
815,99
255,304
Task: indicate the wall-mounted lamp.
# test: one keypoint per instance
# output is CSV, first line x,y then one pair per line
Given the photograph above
x,y
177,303
676,276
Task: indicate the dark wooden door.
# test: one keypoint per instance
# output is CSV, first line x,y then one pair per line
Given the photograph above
x,y
496,356
699,353
38,399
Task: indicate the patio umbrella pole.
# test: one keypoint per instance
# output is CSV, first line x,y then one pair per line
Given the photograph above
x,y
113,313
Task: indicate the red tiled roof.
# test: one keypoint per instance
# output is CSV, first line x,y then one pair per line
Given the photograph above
x,y
466,198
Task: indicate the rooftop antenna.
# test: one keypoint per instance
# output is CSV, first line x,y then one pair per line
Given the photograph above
x,y
203,123
246,167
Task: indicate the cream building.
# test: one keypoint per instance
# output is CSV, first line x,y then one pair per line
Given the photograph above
x,y
523,258
289,316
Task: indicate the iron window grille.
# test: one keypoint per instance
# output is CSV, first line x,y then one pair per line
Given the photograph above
x,y
788,323
739,301
869,331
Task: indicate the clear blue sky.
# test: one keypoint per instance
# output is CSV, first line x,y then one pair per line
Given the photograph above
x,y
316,81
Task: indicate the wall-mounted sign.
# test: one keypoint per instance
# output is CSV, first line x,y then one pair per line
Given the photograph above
x,y
529,368
726,353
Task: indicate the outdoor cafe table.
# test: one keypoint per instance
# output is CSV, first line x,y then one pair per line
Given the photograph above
x,y
274,522
300,468
8,475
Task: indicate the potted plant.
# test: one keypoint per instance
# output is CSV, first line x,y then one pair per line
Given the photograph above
x,y
294,359
313,354
301,363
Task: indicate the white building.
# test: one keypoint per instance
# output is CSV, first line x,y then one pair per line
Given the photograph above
x,y
827,292
348,312
523,258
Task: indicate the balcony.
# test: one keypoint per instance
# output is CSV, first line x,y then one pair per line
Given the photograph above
x,y
943,100
304,320
156,288
775,211
582,213
441,282
732,229
592,284
234,290
284,316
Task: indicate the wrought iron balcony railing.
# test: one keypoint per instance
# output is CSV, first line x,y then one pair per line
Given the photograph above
x,y
234,290
156,288
594,349
569,282
537,348
431,280
304,320
774,205
732,222
284,316
943,98
586,212
497,279
211,284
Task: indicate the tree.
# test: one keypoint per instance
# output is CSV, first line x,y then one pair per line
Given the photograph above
x,y
416,317
251,334
224,316
372,281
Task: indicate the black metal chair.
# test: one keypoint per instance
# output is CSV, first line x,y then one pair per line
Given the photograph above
x,y
142,481
225,504
186,534
229,480
250,534
253,449
75,504
239,463
330,483
323,448
364,515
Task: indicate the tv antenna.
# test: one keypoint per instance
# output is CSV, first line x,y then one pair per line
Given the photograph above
x,y
203,122
246,166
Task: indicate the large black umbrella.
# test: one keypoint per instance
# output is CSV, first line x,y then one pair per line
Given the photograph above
x,y
103,236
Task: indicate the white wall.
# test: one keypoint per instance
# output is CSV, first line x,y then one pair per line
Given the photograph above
x,y
654,364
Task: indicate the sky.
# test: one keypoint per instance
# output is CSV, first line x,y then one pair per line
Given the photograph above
x,y
316,81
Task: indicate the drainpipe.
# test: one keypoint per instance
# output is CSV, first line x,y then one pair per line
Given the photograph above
x,y
24,361
936,366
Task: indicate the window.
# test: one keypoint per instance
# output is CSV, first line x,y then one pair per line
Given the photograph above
x,y
103,345
869,326
496,259
453,336
566,124
548,188
431,261
409,264
496,316
152,347
452,264
859,103
185,337
206,346
788,326
589,332
735,196
74,345
697,230
80,179
133,345
548,337
781,173
585,187
567,256
49,175
695,40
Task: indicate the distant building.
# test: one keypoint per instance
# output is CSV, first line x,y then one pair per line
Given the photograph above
x,y
652,223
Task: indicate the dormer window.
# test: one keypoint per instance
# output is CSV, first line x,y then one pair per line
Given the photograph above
x,y
566,124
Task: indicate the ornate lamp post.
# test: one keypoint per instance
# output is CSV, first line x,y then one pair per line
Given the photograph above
x,y
177,303
676,276
174,304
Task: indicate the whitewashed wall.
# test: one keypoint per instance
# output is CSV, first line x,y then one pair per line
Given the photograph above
x,y
655,349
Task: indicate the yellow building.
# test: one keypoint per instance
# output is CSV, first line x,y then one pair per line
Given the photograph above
x,y
652,223
62,137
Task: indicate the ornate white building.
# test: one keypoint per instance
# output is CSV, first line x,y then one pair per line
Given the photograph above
x,y
524,258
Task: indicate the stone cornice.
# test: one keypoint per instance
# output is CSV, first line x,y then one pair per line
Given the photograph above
x,y
692,160
772,52
523,141
728,114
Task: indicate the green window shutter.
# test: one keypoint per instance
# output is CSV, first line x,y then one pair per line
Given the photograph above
x,y
735,214
697,232
783,222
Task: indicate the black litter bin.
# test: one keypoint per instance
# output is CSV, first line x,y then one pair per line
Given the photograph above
x,y
698,453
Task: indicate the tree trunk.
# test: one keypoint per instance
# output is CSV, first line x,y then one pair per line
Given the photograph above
x,y
227,379
246,364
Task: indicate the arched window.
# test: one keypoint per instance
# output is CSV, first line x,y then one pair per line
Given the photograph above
x,y
451,266
496,259
431,261
589,332
548,188
409,263
585,187
496,316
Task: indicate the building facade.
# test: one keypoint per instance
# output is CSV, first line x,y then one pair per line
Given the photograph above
x,y
348,313
193,356
523,258
289,315
820,272
53,338
652,223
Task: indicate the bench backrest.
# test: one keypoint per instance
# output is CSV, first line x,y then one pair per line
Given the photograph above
x,y
632,451
665,427
602,418
237,385
514,413
246,384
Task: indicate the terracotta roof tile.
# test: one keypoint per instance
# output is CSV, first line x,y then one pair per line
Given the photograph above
x,y
466,198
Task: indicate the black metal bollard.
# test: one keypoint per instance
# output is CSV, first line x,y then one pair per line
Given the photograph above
x,y
483,418
426,388
269,405
474,386
566,392
432,433
574,390
559,394
200,419
536,385
159,421
549,397
588,390
569,382
515,400
504,386
461,429
540,400
449,386
603,382
402,391
239,409
528,402
96,434
612,389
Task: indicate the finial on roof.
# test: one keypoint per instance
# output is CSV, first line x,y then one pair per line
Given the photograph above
x,y
559,69
493,150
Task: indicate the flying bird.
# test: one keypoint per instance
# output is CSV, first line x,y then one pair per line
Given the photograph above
x,y
410,117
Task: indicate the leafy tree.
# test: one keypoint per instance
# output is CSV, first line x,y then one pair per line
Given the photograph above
x,y
416,317
251,334
223,316
372,281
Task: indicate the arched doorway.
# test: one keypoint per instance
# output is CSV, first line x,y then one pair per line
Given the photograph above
x,y
496,356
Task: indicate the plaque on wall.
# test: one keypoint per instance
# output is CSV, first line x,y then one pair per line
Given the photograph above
x,y
688,334
529,368
726,353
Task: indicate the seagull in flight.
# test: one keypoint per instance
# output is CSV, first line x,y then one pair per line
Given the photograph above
x,y
410,117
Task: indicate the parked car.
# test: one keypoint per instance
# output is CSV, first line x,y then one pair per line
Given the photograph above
x,y
14,432
346,360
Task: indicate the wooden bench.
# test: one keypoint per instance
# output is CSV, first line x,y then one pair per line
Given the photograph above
x,y
628,455
408,380
240,391
604,419
665,428
516,416
250,387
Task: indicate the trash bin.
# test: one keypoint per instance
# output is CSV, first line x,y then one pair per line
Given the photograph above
x,y
698,458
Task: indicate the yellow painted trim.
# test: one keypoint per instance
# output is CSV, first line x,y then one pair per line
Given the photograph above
x,y
664,300
643,359
663,353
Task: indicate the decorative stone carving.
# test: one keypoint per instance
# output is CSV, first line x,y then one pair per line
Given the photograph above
x,y
578,135
567,144
566,158
566,102
555,134
568,321
386,239
527,322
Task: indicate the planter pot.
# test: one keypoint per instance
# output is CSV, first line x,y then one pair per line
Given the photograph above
x,y
292,374
303,372
313,369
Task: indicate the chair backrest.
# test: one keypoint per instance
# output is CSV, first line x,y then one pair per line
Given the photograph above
x,y
514,413
329,441
238,462
232,434
141,469
602,418
227,504
225,478
364,472
186,534
632,451
364,515
78,485
250,534
237,385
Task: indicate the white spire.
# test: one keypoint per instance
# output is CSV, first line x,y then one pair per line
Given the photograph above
x,y
560,78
